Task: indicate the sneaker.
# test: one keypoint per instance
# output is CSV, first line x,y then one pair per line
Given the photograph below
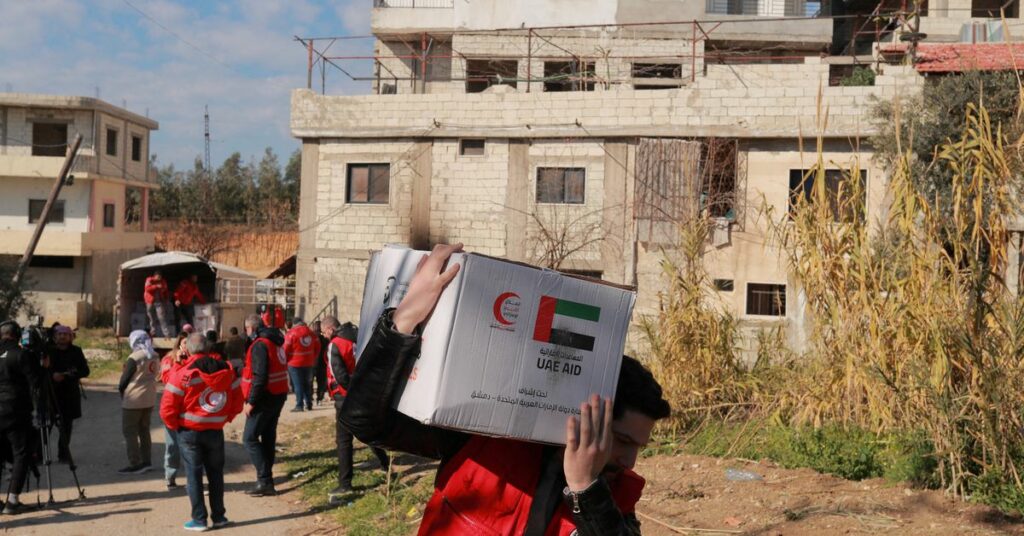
x,y
222,523
339,492
262,491
145,467
13,509
195,526
171,484
130,470
297,409
309,408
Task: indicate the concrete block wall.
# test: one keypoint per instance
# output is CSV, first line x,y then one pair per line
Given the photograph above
x,y
468,196
338,285
16,126
345,226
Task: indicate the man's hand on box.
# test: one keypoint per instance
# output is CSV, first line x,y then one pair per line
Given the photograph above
x,y
588,443
425,288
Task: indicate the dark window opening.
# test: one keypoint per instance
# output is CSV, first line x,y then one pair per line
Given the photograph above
x,y
718,188
51,261
482,74
35,210
658,75
569,75
992,9
368,183
592,274
679,179
111,142
472,147
136,149
49,139
838,190
561,185
724,285
108,215
766,299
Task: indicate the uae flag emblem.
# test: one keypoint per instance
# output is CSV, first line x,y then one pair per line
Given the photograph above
x,y
573,320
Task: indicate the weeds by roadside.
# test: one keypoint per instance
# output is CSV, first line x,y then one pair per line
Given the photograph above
x,y
377,506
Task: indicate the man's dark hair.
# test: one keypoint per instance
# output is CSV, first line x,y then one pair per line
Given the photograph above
x,y
233,331
10,330
639,391
211,335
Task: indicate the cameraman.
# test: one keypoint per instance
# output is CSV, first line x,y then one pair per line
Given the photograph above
x,y
67,367
19,379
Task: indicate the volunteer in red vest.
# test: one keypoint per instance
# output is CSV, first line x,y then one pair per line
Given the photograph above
x,y
185,293
155,293
503,486
273,316
200,400
265,387
169,367
301,348
340,363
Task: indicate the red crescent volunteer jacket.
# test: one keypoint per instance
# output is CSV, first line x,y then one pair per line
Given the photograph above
x,y
205,394
301,346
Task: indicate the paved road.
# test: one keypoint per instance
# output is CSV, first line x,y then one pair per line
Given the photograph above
x,y
140,504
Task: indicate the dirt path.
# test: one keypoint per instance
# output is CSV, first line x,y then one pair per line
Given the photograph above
x,y
140,504
693,492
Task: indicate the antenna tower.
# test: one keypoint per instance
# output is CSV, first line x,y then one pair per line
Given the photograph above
x,y
206,137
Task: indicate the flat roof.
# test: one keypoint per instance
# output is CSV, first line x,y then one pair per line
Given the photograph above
x,y
65,102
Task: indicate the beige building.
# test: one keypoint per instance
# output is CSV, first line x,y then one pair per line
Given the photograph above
x,y
600,123
100,219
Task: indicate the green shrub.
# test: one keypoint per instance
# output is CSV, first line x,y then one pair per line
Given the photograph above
x,y
861,76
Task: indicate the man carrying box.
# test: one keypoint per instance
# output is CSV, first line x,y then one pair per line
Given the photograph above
x,y
507,486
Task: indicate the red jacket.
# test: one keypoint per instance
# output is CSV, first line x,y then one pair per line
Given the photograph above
x,y
155,291
198,400
168,368
484,489
301,346
187,291
346,349
275,321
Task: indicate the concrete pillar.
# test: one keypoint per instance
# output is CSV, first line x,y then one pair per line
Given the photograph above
x,y
614,216
517,199
305,260
422,168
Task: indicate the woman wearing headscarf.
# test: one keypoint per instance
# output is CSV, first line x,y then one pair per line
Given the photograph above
x,y
138,396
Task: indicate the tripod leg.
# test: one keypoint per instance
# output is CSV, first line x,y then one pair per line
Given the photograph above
x,y
74,474
44,436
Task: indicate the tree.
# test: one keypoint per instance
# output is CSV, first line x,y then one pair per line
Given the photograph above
x,y
925,122
292,180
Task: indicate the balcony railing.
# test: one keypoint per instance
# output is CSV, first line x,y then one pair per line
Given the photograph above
x,y
442,4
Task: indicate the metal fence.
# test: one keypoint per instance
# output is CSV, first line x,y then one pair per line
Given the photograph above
x,y
763,8
443,4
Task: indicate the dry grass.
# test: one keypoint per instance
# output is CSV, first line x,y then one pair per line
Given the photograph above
x,y
256,250
913,327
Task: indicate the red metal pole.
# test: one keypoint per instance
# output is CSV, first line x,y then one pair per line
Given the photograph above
x,y
423,63
529,59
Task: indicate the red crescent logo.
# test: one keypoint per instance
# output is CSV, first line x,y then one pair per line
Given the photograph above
x,y
498,303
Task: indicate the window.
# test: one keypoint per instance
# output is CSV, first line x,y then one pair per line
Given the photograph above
x,y
568,76
766,299
136,149
49,139
992,9
35,210
471,147
838,190
111,142
51,261
724,285
108,215
657,75
561,185
482,74
368,183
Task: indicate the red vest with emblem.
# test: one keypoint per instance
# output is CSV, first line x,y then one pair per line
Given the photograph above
x,y
277,369
486,489
348,357
191,403
301,347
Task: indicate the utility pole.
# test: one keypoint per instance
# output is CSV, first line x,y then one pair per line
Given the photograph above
x,y
69,158
206,137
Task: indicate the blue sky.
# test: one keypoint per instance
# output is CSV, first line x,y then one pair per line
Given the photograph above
x,y
237,56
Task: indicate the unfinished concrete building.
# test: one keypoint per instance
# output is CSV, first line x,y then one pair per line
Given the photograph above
x,y
579,134
100,219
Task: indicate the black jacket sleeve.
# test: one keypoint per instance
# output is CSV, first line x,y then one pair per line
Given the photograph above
x,y
595,514
338,368
81,363
130,367
368,412
259,366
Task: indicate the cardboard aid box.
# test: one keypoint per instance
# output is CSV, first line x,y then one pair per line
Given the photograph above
x,y
510,350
